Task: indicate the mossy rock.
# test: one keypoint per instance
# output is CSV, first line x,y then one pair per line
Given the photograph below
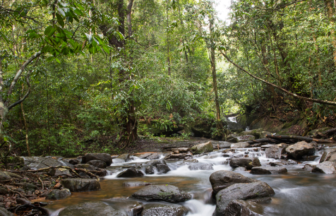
x,y
202,148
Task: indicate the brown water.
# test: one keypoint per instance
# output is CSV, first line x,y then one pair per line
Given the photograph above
x,y
297,193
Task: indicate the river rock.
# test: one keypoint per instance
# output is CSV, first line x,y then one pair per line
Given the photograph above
x,y
241,191
4,212
79,185
202,148
274,152
85,166
308,167
268,170
298,150
239,208
149,169
91,208
327,167
256,162
97,156
97,163
310,157
58,194
41,162
223,179
164,210
241,162
59,172
328,155
240,145
168,193
130,173
73,161
200,166
162,168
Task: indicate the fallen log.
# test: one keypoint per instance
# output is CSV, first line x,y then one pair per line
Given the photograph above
x,y
330,131
308,139
263,140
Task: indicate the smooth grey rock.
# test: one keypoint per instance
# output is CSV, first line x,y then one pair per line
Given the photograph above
x,y
256,162
240,208
168,193
308,167
58,194
41,162
59,172
241,191
97,156
328,155
241,162
79,185
164,210
223,179
85,166
300,149
327,167
268,170
91,209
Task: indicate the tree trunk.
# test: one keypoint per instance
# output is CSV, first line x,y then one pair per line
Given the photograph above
x,y
168,50
25,124
330,11
3,108
214,75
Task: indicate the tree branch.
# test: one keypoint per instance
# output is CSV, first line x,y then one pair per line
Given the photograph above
x,y
278,87
24,97
19,73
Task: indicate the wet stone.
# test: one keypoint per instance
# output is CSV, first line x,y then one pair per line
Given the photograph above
x,y
268,170
79,185
97,163
130,173
162,168
91,208
168,193
164,210
58,194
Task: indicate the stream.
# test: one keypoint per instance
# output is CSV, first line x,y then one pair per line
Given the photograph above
x,y
297,193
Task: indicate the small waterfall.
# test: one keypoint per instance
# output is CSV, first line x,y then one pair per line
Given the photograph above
x,y
233,119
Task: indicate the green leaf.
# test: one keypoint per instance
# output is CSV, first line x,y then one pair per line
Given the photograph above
x,y
49,31
61,11
60,20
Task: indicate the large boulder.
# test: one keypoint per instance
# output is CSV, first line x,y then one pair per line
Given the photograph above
x,y
240,208
223,179
168,193
241,191
56,172
85,166
241,162
79,185
202,148
130,173
240,145
200,166
298,150
97,163
328,155
97,156
41,162
122,158
327,167
308,167
164,210
58,194
91,208
268,170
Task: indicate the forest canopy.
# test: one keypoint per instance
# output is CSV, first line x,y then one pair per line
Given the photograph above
x,y
100,75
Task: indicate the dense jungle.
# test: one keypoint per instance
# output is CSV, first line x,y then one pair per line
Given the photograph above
x,y
167,107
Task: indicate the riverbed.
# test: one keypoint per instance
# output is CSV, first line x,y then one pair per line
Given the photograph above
x,y
297,193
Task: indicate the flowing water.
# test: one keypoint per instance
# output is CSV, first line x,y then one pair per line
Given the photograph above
x,y
297,193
